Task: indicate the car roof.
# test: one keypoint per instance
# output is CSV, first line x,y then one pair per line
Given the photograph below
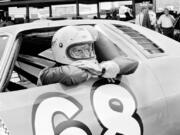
x,y
170,46
45,23
49,23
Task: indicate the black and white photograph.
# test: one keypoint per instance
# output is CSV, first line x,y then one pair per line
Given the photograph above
x,y
90,67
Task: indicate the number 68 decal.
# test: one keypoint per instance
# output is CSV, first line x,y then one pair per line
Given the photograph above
x,y
113,106
63,104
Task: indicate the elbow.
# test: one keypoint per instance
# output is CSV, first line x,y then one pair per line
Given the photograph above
x,y
130,67
126,65
134,66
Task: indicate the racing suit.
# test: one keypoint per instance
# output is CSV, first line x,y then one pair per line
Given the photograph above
x,y
71,75
67,75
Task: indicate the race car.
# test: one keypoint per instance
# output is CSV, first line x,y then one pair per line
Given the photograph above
x,y
143,103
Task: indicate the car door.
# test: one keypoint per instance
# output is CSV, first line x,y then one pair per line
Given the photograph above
x,y
58,109
22,108
24,111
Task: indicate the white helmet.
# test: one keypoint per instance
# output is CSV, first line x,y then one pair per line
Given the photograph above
x,y
73,43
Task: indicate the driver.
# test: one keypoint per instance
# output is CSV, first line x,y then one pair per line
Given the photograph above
x,y
73,48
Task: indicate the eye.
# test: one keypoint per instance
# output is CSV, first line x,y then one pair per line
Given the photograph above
x,y
80,51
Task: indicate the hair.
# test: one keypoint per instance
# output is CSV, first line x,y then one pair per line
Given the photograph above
x,y
166,9
143,8
150,7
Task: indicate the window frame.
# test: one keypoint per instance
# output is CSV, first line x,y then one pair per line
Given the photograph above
x,y
9,63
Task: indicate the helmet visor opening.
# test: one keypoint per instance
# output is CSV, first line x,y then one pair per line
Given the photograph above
x,y
81,51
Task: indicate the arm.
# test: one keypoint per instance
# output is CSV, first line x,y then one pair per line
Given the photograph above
x,y
159,22
126,65
67,75
107,51
137,20
173,19
153,19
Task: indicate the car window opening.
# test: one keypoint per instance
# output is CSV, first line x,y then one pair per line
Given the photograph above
x,y
34,55
29,63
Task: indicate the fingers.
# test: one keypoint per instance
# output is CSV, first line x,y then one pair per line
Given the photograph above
x,y
111,80
111,69
90,66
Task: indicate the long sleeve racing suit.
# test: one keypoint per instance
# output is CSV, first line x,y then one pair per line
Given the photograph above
x,y
67,75
71,75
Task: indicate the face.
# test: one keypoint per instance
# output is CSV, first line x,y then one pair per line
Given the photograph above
x,y
166,11
143,10
83,51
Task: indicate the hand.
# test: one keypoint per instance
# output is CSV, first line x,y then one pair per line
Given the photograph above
x,y
111,69
92,67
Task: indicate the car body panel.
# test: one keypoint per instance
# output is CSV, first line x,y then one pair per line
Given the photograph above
x,y
170,85
23,107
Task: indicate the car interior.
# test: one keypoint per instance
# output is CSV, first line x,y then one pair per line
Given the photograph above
x,y
31,58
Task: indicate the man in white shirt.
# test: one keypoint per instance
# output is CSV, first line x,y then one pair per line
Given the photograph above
x,y
166,22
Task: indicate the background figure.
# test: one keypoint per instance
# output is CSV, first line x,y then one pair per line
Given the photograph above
x,y
108,16
146,20
165,23
140,16
128,16
9,21
152,16
114,15
6,21
95,17
143,18
122,11
3,21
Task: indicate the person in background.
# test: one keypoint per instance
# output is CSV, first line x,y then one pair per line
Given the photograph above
x,y
146,20
108,16
143,18
115,15
95,17
140,16
9,21
3,21
129,16
6,22
75,50
165,23
152,16
122,11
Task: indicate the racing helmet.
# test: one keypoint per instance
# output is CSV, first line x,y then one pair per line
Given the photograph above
x,y
72,43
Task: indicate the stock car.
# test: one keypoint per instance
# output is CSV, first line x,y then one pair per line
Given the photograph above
x,y
143,103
